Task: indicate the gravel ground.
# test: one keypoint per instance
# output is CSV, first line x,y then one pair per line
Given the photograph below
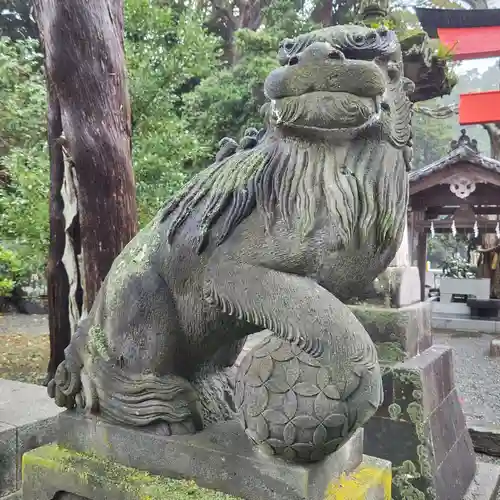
x,y
33,324
477,375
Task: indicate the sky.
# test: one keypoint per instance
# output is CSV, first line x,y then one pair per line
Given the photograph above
x,y
480,64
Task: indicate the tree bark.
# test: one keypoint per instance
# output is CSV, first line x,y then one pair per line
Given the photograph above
x,y
83,42
57,278
493,130
323,12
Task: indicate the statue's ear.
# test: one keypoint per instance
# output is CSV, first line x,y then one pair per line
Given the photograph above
x,y
408,85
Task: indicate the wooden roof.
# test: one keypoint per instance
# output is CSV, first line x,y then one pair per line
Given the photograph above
x,y
432,19
463,158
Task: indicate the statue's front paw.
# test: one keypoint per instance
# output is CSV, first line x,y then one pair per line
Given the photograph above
x,y
64,387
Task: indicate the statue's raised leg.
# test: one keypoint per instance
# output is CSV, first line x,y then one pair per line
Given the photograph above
x,y
314,322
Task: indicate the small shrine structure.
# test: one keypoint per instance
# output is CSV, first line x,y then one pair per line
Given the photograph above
x,y
459,192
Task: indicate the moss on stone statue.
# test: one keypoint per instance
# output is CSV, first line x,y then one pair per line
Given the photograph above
x,y
100,473
412,478
98,342
390,352
383,324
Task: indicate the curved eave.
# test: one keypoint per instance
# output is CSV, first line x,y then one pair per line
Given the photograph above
x,y
462,154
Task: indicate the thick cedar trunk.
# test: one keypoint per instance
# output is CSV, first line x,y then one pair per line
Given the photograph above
x,y
493,130
57,278
323,12
83,42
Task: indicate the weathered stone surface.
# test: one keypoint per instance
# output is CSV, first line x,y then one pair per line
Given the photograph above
x,y
485,485
495,347
405,285
290,404
8,457
53,473
221,457
371,480
398,332
27,420
18,495
433,456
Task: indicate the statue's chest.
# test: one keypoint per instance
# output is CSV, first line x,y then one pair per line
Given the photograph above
x,y
346,269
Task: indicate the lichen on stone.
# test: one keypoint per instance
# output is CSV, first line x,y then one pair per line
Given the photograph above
x,y
394,411
390,352
98,342
101,473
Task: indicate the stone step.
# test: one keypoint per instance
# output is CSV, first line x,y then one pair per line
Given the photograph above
x,y
486,482
27,420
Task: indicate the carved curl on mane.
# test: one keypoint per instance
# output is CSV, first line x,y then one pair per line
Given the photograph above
x,y
292,178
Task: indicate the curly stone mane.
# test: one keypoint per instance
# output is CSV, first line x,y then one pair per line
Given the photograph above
x,y
291,177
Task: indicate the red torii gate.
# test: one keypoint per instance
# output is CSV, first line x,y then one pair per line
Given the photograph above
x,y
468,34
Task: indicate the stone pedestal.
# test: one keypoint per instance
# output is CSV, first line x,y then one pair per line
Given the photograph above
x,y
27,420
420,427
96,460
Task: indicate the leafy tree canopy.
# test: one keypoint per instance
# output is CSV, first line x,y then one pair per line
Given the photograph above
x,y
195,72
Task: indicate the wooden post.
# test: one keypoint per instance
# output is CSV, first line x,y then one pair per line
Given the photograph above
x,y
422,260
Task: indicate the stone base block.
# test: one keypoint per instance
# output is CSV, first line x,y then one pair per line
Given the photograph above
x,y
495,347
56,473
371,480
27,420
404,285
398,332
14,496
421,429
485,485
221,458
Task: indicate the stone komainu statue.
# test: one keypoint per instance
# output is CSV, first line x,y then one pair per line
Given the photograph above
x,y
274,235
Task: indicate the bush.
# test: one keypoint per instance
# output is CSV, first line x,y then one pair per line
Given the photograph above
x,y
10,271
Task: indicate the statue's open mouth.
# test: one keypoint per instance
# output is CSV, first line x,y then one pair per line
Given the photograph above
x,y
328,111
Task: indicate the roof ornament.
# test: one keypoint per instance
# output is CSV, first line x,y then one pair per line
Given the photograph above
x,y
464,141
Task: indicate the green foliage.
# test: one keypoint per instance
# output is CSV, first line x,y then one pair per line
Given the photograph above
x,y
457,267
22,95
166,51
10,271
184,98
23,153
229,101
432,138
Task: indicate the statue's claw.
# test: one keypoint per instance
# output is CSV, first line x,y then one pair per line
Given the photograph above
x,y
64,387
61,399
68,381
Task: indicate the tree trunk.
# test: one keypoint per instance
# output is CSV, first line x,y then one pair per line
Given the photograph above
x,y
323,12
57,278
493,130
83,42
